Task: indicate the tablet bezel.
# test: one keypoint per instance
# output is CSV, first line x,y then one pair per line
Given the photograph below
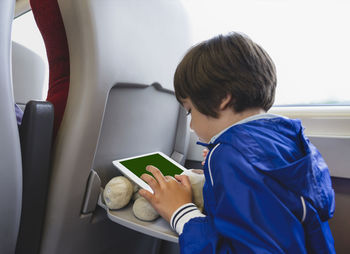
x,y
129,174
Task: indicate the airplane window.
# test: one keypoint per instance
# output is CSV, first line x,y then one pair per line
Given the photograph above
x,y
26,33
308,41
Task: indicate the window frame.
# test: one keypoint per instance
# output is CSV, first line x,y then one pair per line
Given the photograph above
x,y
319,121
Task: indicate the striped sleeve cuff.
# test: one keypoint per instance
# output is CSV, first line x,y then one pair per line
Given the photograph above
x,y
182,215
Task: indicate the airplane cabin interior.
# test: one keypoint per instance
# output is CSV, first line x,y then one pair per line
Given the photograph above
x,y
109,96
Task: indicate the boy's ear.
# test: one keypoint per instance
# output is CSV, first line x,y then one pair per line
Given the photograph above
x,y
225,102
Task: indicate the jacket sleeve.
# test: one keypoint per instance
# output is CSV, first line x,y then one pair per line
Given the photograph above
x,y
245,216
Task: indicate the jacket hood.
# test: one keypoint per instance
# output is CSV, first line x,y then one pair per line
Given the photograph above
x,y
278,147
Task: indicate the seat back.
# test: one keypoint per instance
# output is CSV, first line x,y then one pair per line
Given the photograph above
x,y
10,153
28,73
112,44
140,119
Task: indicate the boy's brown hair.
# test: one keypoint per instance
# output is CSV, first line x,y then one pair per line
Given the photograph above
x,y
226,64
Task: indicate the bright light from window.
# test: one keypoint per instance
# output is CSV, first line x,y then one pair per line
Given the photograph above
x,y
308,41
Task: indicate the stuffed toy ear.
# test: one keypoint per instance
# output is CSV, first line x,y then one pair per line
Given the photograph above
x,y
49,21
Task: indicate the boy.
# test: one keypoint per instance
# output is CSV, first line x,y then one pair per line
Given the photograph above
x,y
267,188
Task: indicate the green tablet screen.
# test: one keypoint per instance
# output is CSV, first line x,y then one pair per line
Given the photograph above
x,y
138,165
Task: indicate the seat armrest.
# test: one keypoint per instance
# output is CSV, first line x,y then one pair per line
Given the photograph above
x,y
36,142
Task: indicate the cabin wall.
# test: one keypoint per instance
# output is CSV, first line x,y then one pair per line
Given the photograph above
x,y
340,223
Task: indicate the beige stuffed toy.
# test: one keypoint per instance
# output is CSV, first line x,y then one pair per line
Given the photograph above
x,y
197,181
143,210
118,192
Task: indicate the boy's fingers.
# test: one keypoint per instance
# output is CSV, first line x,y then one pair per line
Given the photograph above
x,y
157,174
184,180
146,194
150,181
205,152
169,178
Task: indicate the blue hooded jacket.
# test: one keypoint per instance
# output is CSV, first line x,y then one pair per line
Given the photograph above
x,y
267,190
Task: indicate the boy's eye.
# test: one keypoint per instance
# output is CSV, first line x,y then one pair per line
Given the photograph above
x,y
188,112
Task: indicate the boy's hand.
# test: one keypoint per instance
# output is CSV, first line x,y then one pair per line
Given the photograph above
x,y
169,193
204,154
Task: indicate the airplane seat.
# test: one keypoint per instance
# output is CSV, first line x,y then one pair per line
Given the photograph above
x,y
35,136
49,21
123,55
25,151
10,151
28,74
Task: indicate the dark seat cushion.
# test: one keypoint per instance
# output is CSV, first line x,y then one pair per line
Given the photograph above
x,y
36,141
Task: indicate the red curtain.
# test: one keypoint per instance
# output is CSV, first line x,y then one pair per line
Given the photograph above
x,y
49,21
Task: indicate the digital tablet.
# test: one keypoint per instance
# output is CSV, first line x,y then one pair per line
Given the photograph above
x,y
134,167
